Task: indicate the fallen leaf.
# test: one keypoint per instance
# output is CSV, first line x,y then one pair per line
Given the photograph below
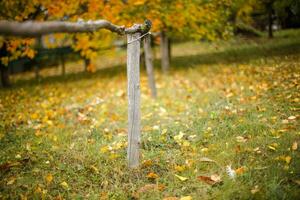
x,y
255,189
295,146
179,168
49,178
11,180
205,159
170,198
186,198
94,169
288,159
147,163
149,187
291,117
152,175
240,170
64,185
182,178
211,180
8,165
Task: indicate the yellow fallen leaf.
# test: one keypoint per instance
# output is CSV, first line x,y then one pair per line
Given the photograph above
x,y
295,146
272,148
170,198
64,185
182,178
94,169
11,181
288,159
147,163
49,178
186,198
179,168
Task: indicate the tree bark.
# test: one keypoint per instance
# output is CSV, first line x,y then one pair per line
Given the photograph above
x,y
33,29
149,65
270,21
63,65
134,119
164,46
4,75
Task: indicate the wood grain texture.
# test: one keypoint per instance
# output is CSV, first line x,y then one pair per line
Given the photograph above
x,y
134,118
34,28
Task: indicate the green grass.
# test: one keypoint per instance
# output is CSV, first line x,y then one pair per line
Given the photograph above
x,y
232,100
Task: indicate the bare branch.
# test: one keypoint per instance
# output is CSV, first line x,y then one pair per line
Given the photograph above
x,y
34,29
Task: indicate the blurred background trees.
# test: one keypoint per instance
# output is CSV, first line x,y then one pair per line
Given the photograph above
x,y
173,21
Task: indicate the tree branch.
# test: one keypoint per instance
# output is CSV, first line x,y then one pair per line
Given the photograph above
x,y
34,29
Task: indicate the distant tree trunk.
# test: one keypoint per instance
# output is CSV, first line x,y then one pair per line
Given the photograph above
x,y
4,69
4,75
87,62
149,65
39,45
270,20
36,71
164,45
63,66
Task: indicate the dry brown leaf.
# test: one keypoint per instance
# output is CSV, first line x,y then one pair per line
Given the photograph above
x,y
211,180
149,187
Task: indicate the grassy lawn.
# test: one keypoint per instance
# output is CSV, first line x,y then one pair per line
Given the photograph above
x,y
225,125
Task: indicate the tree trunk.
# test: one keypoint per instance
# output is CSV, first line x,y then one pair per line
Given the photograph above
x,y
87,62
270,21
63,66
4,75
36,71
4,69
164,46
39,46
149,65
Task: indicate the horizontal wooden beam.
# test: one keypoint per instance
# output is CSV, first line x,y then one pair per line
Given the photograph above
x,y
34,28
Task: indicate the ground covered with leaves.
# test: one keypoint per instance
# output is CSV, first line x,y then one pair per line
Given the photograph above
x,y
225,125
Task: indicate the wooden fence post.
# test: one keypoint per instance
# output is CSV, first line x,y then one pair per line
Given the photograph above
x,y
133,77
149,65
164,45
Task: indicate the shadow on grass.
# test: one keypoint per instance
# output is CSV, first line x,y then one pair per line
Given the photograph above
x,y
238,55
243,54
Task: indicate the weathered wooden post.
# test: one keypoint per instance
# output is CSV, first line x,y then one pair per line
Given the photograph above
x,y
134,118
164,47
133,77
149,65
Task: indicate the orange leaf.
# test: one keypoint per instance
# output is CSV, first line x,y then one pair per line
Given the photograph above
x,y
152,175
